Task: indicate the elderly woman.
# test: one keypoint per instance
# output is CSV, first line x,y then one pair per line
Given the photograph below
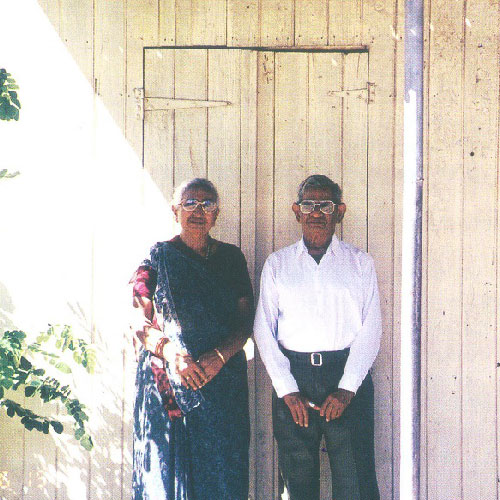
x,y
191,423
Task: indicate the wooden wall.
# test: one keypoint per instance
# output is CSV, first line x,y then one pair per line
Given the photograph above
x,y
460,350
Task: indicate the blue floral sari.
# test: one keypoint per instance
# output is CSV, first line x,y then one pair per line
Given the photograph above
x,y
204,454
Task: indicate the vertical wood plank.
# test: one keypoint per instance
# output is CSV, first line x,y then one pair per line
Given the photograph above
x,y
479,261
325,115
291,139
248,149
397,266
345,21
190,141
109,55
311,22
277,23
201,22
12,458
111,472
265,469
142,30
77,31
444,269
159,125
354,147
167,22
52,10
379,19
40,462
248,213
224,139
243,23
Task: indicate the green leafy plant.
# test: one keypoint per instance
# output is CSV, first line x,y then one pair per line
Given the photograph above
x,y
9,102
9,106
20,371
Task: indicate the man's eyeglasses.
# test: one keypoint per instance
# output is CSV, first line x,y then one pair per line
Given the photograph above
x,y
309,206
191,205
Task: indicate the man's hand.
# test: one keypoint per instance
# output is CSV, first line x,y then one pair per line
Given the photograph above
x,y
299,406
335,404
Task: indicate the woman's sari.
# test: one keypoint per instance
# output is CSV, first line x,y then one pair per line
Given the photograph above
x,y
203,454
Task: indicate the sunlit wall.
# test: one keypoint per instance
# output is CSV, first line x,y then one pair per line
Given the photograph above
x,y
74,224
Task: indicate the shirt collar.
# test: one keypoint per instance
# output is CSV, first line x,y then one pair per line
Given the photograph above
x,y
333,247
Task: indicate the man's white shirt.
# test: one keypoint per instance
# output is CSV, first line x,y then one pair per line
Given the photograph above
x,y
310,307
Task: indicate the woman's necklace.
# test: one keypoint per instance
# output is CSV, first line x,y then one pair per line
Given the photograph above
x,y
208,249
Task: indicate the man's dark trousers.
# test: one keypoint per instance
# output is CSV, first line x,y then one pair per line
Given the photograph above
x,y
349,439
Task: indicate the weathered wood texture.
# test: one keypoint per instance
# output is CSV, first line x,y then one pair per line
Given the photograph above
x,y
289,122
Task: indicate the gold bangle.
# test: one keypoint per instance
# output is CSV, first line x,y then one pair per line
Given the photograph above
x,y
159,347
220,355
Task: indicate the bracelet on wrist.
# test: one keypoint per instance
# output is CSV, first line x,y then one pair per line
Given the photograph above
x,y
159,347
220,356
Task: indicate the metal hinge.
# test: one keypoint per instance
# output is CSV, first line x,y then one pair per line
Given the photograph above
x,y
367,93
139,102
169,103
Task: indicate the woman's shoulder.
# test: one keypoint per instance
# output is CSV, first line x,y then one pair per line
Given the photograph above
x,y
227,249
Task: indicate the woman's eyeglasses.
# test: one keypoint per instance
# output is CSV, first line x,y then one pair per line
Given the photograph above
x,y
191,205
308,206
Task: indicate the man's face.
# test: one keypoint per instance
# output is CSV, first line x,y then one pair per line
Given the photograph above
x,y
317,227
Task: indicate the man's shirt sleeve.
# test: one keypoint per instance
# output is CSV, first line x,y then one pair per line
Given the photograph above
x,y
365,346
265,334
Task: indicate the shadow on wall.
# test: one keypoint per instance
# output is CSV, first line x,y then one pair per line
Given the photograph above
x,y
6,309
81,217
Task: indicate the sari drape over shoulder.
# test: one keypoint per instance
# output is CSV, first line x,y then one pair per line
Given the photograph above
x,y
203,454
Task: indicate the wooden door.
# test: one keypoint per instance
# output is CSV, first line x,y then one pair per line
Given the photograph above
x,y
257,123
312,118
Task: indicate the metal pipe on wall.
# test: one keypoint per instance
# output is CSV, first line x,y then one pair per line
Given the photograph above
x,y
411,289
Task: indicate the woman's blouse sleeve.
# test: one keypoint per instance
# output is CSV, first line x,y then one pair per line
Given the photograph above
x,y
144,281
241,278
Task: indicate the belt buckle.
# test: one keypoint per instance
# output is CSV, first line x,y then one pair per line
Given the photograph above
x,y
316,359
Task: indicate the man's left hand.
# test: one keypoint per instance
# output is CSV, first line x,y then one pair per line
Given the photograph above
x,y
335,404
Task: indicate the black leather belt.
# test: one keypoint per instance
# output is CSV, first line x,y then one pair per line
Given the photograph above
x,y
316,358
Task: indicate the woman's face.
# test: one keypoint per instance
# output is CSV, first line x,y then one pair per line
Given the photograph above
x,y
197,222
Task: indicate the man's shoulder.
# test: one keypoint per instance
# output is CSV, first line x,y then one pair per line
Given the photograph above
x,y
284,253
361,256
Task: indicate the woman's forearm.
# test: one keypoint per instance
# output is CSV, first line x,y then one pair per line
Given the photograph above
x,y
235,343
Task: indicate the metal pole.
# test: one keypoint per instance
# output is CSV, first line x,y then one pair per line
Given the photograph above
x,y
411,289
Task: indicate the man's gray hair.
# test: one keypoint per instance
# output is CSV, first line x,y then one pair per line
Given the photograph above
x,y
320,181
196,183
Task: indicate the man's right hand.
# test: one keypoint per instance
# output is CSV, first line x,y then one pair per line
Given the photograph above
x,y
299,407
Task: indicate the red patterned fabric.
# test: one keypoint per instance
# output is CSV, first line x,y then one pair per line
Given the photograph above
x,y
144,281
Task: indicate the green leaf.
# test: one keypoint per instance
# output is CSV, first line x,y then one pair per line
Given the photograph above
x,y
39,372
2,392
45,427
79,433
7,383
57,426
24,363
86,442
11,411
29,391
63,367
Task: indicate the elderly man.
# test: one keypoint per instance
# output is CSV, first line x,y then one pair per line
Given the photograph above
x,y
318,330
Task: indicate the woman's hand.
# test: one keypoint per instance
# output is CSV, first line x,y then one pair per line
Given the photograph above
x,y
149,336
211,363
192,373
